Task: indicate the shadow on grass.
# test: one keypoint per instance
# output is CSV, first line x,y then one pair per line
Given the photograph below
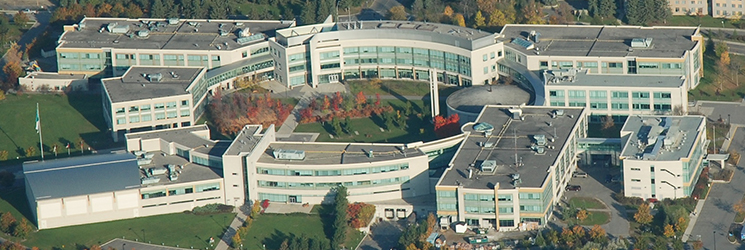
x,y
16,197
275,240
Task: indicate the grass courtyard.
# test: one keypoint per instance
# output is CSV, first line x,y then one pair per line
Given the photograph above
x,y
707,88
586,202
596,218
64,118
369,127
272,229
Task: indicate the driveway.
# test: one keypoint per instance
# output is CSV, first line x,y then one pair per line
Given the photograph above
x,y
594,186
717,214
384,235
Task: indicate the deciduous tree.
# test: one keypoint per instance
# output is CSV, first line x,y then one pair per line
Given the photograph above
x,y
582,214
397,13
3,153
597,234
6,222
643,215
479,20
669,231
459,20
497,18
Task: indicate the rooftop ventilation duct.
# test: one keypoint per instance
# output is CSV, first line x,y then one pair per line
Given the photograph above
x,y
157,77
488,166
286,154
641,42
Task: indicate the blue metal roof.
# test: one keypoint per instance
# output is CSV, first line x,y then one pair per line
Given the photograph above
x,y
82,175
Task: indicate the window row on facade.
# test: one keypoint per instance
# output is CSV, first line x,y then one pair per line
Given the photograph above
x,y
179,190
336,172
327,185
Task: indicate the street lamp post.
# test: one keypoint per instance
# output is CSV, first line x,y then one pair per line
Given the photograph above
x,y
143,235
722,24
714,233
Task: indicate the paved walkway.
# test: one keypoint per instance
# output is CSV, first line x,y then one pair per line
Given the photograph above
x,y
134,245
693,218
240,218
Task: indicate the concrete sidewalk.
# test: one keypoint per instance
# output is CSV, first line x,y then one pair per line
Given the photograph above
x,y
227,237
694,217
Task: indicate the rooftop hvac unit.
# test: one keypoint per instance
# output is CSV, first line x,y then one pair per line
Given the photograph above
x,y
143,33
139,153
483,127
245,32
540,140
559,112
148,155
143,161
249,39
117,29
150,180
516,113
488,166
157,171
641,42
157,77
287,154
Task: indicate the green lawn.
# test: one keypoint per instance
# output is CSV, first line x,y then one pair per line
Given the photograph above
x,y
586,202
596,218
64,118
184,230
193,230
272,229
369,128
706,90
704,21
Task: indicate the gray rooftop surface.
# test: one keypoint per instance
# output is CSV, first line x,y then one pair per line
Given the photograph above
x,y
82,175
473,99
246,140
181,36
603,41
404,26
582,78
185,136
652,138
50,75
338,153
134,86
534,168
190,172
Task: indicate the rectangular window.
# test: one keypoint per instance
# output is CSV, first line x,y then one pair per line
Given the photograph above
x,y
619,106
640,106
636,180
577,94
147,118
486,58
556,93
184,103
598,94
577,104
640,95
185,113
544,64
121,120
171,105
506,210
134,119
329,55
172,114
619,94
663,107
351,50
492,55
504,197
599,105
297,68
662,95
330,66
636,169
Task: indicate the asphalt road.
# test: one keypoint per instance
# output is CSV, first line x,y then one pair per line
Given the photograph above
x,y
594,186
717,214
735,111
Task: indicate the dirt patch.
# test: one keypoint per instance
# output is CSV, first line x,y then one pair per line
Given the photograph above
x,y
24,4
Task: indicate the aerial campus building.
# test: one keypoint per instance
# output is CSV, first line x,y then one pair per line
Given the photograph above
x,y
601,67
662,156
177,169
512,167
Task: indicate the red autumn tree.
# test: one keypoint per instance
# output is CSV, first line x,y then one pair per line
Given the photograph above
x,y
447,127
361,100
326,103
377,99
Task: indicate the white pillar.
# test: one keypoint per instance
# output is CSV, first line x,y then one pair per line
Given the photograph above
x,y
434,96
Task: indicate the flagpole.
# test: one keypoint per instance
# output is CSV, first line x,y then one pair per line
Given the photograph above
x,y
38,123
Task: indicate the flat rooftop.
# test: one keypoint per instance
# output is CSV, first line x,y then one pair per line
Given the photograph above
x,y
660,138
55,76
184,34
141,83
577,77
188,173
404,26
602,41
83,175
473,99
510,138
338,153
186,136
246,140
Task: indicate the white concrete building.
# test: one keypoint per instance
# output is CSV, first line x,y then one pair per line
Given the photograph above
x,y
56,82
512,168
662,156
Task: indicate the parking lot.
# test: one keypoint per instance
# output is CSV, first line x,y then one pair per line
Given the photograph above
x,y
595,185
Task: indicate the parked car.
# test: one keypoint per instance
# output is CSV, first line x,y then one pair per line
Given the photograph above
x,y
29,11
579,174
575,188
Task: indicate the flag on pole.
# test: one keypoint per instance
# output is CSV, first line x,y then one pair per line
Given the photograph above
x,y
38,122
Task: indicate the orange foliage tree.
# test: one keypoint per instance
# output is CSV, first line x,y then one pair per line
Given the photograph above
x,y
447,127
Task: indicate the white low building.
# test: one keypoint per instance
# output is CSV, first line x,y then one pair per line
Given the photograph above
x,y
662,156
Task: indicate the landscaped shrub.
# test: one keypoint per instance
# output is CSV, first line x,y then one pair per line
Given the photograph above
x,y
627,201
214,208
